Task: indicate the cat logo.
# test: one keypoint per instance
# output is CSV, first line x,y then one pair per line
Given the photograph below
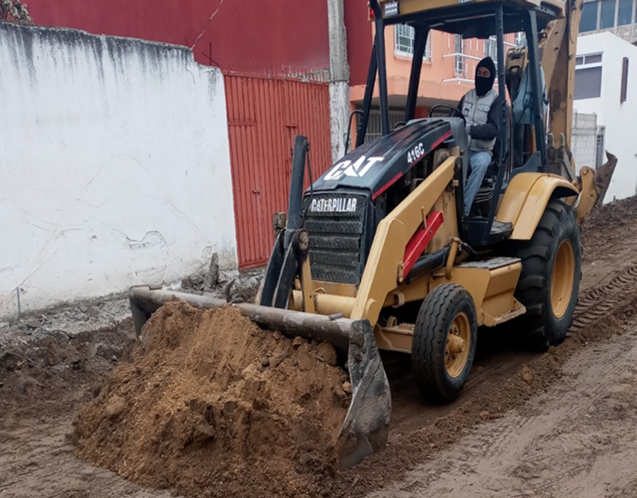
x,y
337,205
347,168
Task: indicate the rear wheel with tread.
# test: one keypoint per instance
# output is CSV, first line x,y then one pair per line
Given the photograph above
x,y
551,273
444,342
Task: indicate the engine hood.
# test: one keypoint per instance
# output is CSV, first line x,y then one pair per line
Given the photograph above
x,y
376,165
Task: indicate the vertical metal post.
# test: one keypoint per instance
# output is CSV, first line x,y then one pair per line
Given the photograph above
x,y
295,205
367,99
17,292
382,69
503,133
536,85
420,44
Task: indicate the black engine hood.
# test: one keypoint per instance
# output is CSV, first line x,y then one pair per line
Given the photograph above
x,y
376,165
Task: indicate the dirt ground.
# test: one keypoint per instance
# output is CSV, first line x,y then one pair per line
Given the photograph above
x,y
575,439
558,424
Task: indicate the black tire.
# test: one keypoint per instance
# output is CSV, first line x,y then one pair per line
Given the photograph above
x,y
441,309
546,320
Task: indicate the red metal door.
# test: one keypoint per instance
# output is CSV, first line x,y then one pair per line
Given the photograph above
x,y
264,115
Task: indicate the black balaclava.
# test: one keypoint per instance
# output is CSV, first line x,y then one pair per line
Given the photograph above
x,y
483,85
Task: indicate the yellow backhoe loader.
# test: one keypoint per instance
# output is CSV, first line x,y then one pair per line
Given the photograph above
x,y
378,253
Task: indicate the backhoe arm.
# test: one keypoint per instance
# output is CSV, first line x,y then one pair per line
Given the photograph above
x,y
559,46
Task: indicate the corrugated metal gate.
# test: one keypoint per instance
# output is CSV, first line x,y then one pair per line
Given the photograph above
x,y
264,115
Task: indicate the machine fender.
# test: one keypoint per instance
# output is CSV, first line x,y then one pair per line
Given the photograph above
x,y
526,198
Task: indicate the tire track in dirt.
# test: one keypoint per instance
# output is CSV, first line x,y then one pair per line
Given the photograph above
x,y
599,301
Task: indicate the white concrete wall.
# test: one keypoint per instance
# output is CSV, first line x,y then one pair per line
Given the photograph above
x,y
584,139
618,118
114,166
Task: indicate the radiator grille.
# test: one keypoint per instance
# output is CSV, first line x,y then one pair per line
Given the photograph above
x,y
335,229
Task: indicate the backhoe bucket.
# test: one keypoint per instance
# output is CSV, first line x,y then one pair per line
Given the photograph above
x,y
603,176
593,184
366,424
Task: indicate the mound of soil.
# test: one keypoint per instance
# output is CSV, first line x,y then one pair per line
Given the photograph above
x,y
608,227
211,405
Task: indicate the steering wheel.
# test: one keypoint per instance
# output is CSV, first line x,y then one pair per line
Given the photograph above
x,y
452,110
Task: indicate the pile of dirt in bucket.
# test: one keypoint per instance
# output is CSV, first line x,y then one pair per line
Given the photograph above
x,y
211,405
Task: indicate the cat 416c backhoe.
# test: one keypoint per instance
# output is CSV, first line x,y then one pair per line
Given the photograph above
x,y
378,253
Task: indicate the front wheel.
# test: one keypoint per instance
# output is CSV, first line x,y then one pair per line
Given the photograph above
x,y
444,342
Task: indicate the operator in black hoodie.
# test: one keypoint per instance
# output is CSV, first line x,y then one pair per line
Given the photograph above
x,y
481,109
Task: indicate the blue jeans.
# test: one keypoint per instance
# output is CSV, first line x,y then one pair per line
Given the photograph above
x,y
479,162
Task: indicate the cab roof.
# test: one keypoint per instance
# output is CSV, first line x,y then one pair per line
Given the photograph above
x,y
470,18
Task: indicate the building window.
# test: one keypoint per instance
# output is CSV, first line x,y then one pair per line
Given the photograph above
x,y
588,76
491,49
624,89
590,59
625,12
600,14
404,37
588,83
589,17
607,16
460,65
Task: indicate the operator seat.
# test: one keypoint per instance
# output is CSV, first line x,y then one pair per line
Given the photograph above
x,y
500,148
459,136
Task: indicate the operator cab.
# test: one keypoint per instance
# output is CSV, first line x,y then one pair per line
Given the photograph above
x,y
479,19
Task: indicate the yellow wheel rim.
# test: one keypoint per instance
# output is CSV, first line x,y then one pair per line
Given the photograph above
x,y
562,278
458,345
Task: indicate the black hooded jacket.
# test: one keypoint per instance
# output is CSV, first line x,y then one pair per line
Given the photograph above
x,y
490,129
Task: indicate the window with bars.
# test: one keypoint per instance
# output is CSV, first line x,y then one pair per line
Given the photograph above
x,y
404,37
460,67
374,128
520,39
491,49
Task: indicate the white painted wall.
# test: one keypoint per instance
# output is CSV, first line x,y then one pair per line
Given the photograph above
x,y
114,166
619,119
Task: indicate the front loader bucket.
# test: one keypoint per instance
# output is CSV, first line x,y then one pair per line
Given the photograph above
x,y
366,424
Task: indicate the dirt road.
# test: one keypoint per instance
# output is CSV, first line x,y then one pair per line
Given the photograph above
x,y
576,439
559,424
